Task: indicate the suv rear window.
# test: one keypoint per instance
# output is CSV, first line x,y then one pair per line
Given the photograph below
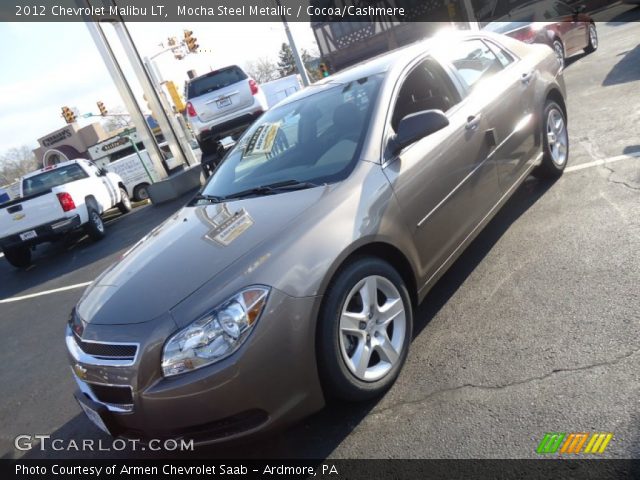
x,y
215,81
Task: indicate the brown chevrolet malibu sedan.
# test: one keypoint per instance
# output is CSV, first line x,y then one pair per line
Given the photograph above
x,y
292,277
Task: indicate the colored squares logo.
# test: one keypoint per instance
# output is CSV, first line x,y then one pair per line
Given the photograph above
x,y
573,443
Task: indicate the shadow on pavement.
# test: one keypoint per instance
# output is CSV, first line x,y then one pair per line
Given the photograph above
x,y
317,436
632,15
51,261
626,70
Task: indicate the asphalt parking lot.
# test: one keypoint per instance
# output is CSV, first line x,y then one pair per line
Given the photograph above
x,y
534,329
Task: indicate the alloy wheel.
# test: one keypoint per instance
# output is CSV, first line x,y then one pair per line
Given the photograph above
x,y
557,137
372,328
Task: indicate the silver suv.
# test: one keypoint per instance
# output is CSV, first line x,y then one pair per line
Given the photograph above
x,y
223,103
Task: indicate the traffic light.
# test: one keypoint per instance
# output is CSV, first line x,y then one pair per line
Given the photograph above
x,y
190,41
148,104
102,108
68,115
324,70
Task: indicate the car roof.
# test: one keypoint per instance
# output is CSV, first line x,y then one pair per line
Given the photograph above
x,y
386,62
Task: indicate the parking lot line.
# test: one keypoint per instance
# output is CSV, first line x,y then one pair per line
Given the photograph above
x,y
46,292
603,161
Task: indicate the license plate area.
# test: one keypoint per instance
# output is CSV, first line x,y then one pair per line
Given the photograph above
x,y
28,235
94,416
223,102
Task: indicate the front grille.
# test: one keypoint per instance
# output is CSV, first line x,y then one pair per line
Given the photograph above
x,y
107,350
111,394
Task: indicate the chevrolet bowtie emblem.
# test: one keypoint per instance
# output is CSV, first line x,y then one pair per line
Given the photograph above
x,y
18,216
80,371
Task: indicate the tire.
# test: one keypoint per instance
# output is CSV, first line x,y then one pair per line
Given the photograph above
x,y
141,192
592,46
555,142
95,226
342,376
558,49
19,257
125,204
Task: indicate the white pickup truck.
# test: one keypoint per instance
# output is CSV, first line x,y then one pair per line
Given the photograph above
x,y
56,200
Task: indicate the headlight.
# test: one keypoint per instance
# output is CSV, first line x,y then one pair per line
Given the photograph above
x,y
216,335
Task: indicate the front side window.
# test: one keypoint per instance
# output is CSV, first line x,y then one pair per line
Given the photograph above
x,y
427,87
474,61
315,139
52,178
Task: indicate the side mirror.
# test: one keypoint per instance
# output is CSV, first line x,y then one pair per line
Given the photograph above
x,y
418,125
102,172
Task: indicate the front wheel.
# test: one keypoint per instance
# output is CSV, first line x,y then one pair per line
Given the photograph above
x,y
95,226
364,330
19,257
125,204
592,46
555,142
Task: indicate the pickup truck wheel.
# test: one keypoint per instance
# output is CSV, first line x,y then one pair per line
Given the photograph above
x,y
19,257
141,192
125,204
95,226
364,330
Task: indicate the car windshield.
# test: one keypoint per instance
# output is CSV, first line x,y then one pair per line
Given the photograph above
x,y
215,81
52,178
313,140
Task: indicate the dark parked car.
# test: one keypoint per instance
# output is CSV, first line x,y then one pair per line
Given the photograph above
x,y
296,270
565,29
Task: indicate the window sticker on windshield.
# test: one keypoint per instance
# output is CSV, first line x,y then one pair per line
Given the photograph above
x,y
263,139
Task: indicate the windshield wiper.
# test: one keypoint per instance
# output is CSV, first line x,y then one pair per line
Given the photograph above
x,y
277,187
201,197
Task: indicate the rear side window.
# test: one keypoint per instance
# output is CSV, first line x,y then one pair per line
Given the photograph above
x,y
215,81
52,178
474,61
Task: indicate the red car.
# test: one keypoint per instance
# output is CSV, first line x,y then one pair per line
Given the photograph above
x,y
565,29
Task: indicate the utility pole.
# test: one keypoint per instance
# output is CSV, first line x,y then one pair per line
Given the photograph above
x,y
301,68
137,117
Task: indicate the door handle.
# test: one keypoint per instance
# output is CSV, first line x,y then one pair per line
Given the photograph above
x,y
473,121
526,77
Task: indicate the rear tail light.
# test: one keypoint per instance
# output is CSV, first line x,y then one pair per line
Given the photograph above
x,y
66,201
190,110
253,86
526,35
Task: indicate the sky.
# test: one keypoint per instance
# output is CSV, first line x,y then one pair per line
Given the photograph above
x,y
46,66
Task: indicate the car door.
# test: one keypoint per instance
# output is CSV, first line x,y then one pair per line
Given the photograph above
x,y
105,191
513,115
443,182
572,31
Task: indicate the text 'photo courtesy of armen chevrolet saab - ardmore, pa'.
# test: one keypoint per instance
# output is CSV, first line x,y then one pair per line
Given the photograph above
x,y
330,238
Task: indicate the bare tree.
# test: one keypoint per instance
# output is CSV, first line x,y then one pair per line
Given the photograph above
x,y
262,70
121,120
15,163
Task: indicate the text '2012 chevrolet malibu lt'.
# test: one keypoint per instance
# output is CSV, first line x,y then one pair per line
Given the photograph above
x,y
292,277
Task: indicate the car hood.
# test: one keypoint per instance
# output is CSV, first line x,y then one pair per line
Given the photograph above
x,y
186,251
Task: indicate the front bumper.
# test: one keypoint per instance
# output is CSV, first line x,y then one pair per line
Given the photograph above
x,y
44,233
270,381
